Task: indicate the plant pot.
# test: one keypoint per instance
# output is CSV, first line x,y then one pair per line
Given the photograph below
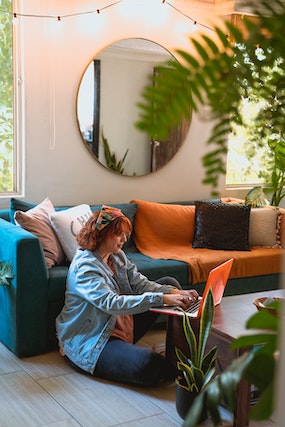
x,y
184,401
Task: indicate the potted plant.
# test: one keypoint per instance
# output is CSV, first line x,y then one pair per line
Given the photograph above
x,y
197,367
257,365
257,196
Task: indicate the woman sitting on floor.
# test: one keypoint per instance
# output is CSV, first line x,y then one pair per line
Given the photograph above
x,y
107,304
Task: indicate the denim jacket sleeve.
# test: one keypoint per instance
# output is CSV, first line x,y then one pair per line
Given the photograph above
x,y
129,293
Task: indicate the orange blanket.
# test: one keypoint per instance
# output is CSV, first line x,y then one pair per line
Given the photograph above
x,y
165,231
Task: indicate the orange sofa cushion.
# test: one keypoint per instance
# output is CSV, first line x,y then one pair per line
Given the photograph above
x,y
157,226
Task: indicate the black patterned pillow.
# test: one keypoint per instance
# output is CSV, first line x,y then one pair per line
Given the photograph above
x,y
221,226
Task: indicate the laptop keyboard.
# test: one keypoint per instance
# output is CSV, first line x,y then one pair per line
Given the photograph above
x,y
193,307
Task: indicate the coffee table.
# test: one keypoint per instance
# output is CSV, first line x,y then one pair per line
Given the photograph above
x,y
229,323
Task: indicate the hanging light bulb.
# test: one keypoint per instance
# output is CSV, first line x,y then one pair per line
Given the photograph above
x,y
194,26
15,20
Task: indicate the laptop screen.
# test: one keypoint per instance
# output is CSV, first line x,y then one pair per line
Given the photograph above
x,y
217,281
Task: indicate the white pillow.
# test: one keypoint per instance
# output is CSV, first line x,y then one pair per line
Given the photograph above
x,y
67,223
264,227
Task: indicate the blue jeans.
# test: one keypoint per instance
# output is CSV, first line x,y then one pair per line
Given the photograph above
x,y
128,363
131,364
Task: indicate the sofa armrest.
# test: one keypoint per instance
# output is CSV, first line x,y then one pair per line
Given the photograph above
x,y
5,214
23,304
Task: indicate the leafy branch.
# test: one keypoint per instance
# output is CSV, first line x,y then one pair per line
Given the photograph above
x,y
219,74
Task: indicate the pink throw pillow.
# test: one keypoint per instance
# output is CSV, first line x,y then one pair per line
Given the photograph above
x,y
37,222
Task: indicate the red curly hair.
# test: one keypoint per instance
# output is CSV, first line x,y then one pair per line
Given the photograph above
x,y
90,238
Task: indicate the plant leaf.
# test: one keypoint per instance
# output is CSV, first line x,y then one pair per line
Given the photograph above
x,y
206,321
191,339
256,197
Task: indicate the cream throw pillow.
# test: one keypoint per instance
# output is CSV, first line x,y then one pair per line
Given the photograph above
x,y
67,223
264,227
36,221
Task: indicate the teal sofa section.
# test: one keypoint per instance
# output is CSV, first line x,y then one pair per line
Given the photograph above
x,y
35,296
24,303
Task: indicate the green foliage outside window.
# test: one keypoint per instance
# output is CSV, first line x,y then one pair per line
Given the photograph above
x,y
251,155
6,97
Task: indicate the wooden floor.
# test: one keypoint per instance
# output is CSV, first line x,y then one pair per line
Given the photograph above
x,y
45,391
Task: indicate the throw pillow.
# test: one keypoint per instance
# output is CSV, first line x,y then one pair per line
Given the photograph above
x,y
36,221
281,232
67,223
264,227
159,225
221,226
21,205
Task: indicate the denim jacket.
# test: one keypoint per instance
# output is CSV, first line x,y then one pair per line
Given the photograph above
x,y
94,297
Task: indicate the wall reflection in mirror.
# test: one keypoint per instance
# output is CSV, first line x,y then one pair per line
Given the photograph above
x,y
107,110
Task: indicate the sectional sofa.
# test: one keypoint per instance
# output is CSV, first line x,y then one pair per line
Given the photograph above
x,y
181,239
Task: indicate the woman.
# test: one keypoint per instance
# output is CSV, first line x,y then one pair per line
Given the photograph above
x,y
107,304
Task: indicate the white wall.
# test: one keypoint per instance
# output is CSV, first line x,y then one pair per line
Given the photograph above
x,y
55,55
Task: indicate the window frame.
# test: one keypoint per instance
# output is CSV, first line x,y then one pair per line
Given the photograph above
x,y
18,107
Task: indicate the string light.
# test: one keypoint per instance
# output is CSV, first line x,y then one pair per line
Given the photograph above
x,y
195,23
98,11
59,18
15,20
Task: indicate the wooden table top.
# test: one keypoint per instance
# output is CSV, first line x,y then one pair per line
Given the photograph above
x,y
233,312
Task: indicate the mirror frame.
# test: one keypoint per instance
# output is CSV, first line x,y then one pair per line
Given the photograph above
x,y
160,153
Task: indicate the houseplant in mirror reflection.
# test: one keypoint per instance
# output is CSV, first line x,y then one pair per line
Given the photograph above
x,y
111,159
197,368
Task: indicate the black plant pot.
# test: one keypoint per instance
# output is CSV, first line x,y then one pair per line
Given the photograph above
x,y
184,401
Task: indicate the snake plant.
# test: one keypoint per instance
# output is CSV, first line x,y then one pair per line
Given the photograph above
x,y
257,366
197,368
111,159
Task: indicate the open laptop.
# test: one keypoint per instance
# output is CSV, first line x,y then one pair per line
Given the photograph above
x,y
217,281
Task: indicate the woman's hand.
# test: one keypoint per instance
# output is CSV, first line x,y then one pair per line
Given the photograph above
x,y
180,298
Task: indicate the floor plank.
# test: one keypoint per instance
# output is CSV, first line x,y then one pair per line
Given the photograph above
x,y
23,403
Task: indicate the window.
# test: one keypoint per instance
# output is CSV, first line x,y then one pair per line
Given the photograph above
x,y
247,161
9,175
256,148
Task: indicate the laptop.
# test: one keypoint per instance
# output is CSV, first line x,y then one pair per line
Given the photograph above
x,y
217,281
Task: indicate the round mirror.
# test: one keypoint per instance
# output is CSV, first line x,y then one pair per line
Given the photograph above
x,y
107,110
